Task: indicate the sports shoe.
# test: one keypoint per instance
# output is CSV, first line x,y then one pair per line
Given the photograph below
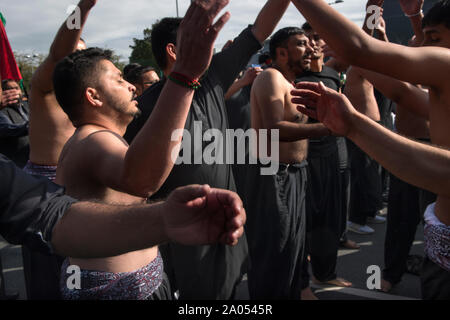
x,y
357,228
376,219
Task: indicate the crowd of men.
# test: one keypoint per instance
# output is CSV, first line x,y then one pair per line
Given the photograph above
x,y
144,226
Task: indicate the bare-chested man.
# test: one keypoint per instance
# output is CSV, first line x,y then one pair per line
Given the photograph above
x,y
96,162
419,164
50,128
276,207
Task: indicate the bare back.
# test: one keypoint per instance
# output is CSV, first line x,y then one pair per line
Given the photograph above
x,y
50,128
439,134
271,103
75,172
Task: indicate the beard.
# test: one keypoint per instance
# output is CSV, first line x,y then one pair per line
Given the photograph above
x,y
298,66
123,107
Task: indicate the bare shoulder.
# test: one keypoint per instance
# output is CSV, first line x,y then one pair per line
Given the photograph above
x,y
270,80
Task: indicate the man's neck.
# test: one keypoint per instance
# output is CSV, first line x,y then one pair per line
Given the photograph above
x,y
286,72
317,65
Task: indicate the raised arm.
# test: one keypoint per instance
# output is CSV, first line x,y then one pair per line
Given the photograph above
x,y
360,93
247,79
269,97
268,18
143,167
425,65
422,165
402,93
65,43
413,10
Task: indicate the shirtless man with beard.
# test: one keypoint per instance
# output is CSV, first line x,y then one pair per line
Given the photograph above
x,y
276,208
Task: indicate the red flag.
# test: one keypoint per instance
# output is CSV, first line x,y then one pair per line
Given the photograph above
x,y
8,65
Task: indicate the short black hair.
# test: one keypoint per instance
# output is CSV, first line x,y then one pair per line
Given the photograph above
x,y
306,26
73,74
163,33
280,38
438,14
6,81
134,71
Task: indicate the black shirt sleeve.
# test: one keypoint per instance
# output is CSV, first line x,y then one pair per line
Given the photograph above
x,y
29,207
227,64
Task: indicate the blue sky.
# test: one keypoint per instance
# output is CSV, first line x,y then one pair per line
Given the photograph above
x,y
32,24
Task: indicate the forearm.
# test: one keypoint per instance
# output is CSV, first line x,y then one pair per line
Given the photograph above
x,y
290,131
348,40
419,164
149,158
403,93
235,87
66,40
416,24
85,230
268,18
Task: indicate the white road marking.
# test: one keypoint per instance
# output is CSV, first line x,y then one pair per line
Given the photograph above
x,y
360,293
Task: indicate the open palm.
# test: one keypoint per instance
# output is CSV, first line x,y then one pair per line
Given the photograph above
x,y
331,108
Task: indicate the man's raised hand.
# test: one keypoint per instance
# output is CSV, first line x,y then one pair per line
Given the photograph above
x,y
196,36
411,7
331,108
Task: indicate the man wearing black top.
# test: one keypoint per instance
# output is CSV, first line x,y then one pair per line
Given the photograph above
x,y
208,272
324,199
14,112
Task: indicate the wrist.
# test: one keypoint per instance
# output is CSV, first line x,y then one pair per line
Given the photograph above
x,y
417,14
184,80
356,118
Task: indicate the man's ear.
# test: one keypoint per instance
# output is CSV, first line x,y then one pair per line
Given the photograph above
x,y
93,97
171,51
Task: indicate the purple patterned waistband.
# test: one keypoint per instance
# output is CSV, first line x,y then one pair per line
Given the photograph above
x,y
98,285
39,170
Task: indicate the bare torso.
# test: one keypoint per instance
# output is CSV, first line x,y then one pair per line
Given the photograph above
x,y
50,128
74,173
411,125
290,152
439,134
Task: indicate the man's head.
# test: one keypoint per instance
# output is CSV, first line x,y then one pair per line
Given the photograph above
x,y
164,41
141,77
290,47
87,84
12,88
436,25
315,41
81,45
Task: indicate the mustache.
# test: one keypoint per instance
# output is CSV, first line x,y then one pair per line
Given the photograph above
x,y
133,96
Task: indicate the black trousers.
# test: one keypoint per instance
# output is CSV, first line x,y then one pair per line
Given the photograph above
x,y
325,209
275,231
42,274
366,188
435,281
403,216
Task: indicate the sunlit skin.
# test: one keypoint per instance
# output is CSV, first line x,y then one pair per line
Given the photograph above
x,y
147,80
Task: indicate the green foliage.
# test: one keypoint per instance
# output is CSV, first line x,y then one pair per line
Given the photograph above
x,y
142,51
27,65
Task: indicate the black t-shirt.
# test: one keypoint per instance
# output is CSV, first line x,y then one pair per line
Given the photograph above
x,y
29,207
205,272
331,79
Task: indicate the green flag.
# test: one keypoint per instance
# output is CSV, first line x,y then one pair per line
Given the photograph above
x,y
3,19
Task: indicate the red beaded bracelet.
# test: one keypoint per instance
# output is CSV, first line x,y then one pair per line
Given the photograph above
x,y
182,80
